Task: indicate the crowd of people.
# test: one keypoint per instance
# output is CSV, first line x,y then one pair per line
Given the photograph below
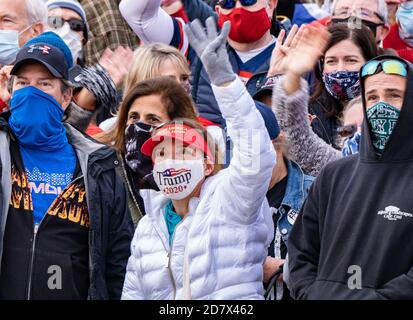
x,y
214,150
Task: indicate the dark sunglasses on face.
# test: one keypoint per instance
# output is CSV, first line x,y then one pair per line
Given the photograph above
x,y
371,25
388,66
230,4
347,131
57,22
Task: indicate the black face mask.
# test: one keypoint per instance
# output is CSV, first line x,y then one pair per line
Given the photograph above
x,y
135,136
371,25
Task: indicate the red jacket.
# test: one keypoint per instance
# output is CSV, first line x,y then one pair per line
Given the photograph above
x,y
394,41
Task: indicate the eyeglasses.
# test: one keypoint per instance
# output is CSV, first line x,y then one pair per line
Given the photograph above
x,y
354,21
230,4
347,131
387,66
362,13
57,22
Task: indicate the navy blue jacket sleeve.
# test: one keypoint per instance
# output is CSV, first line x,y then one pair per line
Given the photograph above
x,y
198,9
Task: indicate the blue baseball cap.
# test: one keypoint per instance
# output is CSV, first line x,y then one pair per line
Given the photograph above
x,y
270,120
47,55
51,38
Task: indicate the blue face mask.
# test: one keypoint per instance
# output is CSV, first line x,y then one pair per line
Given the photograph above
x,y
405,17
36,120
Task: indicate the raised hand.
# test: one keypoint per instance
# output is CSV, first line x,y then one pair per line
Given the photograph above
x,y
117,63
211,49
307,48
280,52
4,83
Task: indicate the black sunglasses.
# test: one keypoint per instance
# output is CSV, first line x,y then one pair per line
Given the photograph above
x,y
57,22
230,4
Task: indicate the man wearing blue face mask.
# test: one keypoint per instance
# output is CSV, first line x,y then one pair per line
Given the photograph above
x,y
352,239
400,37
58,192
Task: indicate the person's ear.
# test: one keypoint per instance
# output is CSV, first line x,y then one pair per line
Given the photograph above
x,y
67,98
209,167
384,32
270,6
38,28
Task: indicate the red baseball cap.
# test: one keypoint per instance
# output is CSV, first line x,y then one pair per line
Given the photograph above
x,y
181,132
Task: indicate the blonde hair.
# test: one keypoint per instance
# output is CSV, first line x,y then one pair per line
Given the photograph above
x,y
147,62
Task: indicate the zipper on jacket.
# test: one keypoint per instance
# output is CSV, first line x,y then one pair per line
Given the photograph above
x,y
170,255
35,232
36,229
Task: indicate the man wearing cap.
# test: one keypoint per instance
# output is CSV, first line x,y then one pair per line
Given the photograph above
x,y
68,19
353,238
250,41
65,226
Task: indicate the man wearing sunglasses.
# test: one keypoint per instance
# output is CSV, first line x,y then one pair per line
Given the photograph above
x,y
353,239
372,13
68,19
250,41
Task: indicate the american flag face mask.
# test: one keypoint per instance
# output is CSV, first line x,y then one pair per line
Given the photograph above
x,y
177,178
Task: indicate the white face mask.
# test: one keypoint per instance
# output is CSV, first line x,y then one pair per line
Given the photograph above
x,y
178,178
72,39
9,45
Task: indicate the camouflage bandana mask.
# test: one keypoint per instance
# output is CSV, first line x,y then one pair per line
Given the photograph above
x,y
382,118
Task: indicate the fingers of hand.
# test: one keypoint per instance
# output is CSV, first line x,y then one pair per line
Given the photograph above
x,y
226,28
189,34
211,29
198,30
291,35
279,42
297,38
5,72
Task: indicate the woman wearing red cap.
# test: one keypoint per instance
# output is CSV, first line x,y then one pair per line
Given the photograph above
x,y
205,235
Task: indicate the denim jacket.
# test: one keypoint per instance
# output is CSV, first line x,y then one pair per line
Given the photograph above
x,y
296,192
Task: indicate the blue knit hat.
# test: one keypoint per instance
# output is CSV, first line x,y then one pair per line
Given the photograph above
x,y
54,40
72,5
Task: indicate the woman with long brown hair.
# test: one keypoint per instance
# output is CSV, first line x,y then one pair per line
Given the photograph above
x,y
147,105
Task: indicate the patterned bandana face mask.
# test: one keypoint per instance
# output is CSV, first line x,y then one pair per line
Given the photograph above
x,y
135,135
382,118
342,85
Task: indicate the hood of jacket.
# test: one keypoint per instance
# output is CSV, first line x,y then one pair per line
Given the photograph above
x,y
398,147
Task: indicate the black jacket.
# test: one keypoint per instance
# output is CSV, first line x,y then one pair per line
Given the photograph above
x,y
111,228
358,221
323,125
